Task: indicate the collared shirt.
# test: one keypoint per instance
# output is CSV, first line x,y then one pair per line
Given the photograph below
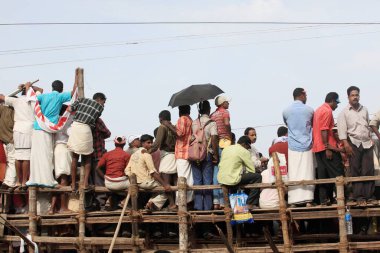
x,y
233,160
375,120
323,120
141,164
115,162
183,137
211,128
353,125
51,104
6,124
165,140
99,134
218,116
24,114
299,118
87,111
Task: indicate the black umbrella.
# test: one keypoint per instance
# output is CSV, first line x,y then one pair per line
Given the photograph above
x,y
194,94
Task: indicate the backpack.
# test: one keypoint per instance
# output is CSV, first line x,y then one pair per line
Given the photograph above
x,y
198,146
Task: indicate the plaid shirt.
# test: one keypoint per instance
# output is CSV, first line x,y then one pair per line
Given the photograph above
x,y
100,133
183,137
87,111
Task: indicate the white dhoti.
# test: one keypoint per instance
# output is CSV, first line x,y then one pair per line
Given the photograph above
x,y
41,160
184,170
23,144
167,164
116,184
10,171
80,141
62,160
301,167
158,199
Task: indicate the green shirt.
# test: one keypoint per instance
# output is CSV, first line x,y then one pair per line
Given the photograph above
x,y
234,159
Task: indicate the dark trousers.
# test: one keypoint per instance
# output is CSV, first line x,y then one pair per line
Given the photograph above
x,y
361,164
328,169
253,195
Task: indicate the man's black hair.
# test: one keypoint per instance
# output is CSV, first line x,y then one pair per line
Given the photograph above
x,y
57,85
146,137
99,95
165,115
233,137
244,140
204,107
246,131
331,97
282,131
298,92
184,109
119,139
352,88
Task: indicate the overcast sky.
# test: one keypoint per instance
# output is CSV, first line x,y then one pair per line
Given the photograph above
x,y
139,67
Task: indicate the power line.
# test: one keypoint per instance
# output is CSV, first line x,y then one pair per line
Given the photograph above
x,y
189,23
182,50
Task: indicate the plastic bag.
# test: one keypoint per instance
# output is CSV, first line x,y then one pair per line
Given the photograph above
x,y
240,210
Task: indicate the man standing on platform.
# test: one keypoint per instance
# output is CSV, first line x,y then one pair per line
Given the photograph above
x,y
299,118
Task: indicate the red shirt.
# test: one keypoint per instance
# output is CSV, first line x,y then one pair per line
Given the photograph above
x,y
183,137
323,120
218,116
115,162
280,147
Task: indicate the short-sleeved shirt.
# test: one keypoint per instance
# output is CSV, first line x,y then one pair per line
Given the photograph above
x,y
218,116
141,164
115,162
165,140
24,114
6,124
87,111
375,120
323,120
299,118
354,125
183,137
51,104
211,128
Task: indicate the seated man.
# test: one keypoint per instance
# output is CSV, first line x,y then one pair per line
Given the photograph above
x,y
114,161
141,164
236,168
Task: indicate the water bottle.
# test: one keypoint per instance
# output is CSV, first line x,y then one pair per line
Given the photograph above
x,y
348,219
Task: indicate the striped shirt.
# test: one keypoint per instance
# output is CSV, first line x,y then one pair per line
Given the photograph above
x,y
218,116
86,111
183,137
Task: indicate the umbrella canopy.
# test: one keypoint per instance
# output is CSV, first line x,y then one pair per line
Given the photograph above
x,y
194,94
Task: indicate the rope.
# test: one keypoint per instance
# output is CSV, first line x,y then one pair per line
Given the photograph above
x,y
134,190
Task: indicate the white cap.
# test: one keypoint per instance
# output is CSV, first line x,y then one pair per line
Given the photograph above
x,y
133,137
221,99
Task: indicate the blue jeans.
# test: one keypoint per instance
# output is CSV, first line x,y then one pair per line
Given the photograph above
x,y
202,175
217,193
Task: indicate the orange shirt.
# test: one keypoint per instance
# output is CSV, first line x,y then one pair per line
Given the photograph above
x,y
183,137
323,120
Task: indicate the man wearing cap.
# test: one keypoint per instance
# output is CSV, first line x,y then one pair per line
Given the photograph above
x,y
114,163
133,144
236,168
299,119
329,162
353,130
141,164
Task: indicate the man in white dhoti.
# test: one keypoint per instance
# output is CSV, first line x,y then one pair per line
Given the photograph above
x,y
299,117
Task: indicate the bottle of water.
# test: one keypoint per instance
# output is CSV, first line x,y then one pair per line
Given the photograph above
x,y
348,219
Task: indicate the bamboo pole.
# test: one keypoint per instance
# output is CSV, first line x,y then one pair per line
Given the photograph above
x,y
282,211
182,215
134,191
228,214
32,213
343,243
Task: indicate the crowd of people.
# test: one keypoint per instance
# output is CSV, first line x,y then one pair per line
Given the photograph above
x,y
44,135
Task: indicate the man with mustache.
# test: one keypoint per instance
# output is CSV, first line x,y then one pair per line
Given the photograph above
x,y
354,131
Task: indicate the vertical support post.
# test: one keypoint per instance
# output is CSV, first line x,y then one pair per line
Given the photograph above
x,y
228,214
282,209
182,215
343,242
134,190
32,213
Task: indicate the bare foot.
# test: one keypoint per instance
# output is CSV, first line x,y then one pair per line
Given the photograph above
x,y
57,186
51,211
63,211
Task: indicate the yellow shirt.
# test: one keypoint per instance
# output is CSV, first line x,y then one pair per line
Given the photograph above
x,y
141,164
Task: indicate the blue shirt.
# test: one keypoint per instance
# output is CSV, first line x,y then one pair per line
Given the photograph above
x,y
51,104
299,117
